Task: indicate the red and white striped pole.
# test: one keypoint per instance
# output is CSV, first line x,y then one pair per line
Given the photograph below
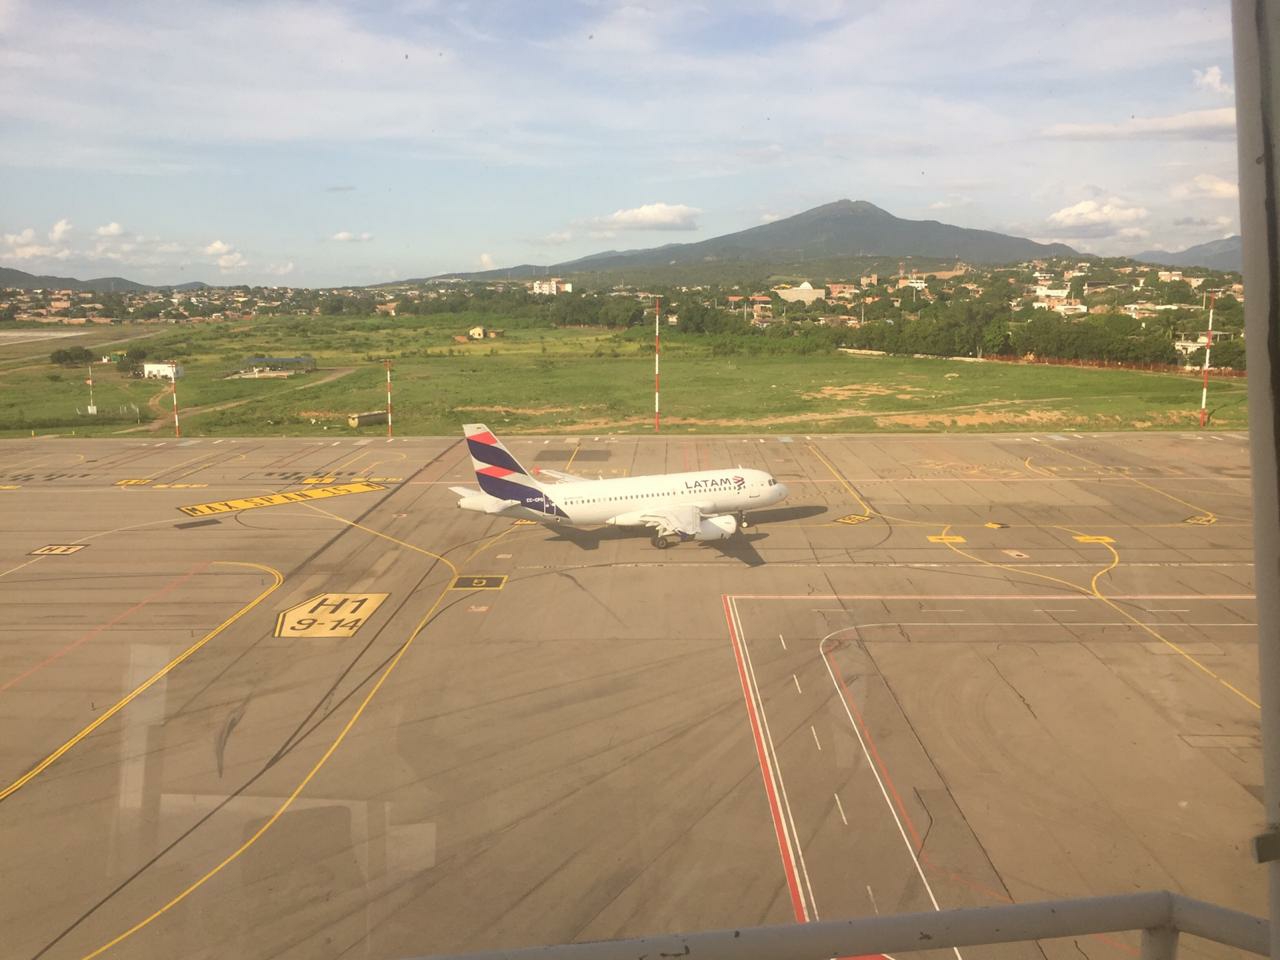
x,y
173,374
1204,390
388,364
657,354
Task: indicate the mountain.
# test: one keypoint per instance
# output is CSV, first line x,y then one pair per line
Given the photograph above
x,y
845,228
1225,254
28,281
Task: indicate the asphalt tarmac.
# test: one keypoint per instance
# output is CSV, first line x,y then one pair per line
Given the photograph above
x,y
280,698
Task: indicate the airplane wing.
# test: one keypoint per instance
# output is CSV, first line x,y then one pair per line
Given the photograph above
x,y
685,520
560,476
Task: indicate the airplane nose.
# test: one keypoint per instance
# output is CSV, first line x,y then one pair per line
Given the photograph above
x,y
782,491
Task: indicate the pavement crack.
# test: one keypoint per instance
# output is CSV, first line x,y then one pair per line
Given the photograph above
x,y
1010,685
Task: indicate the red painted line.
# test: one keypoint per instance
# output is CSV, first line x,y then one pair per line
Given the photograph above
x,y
784,850
106,626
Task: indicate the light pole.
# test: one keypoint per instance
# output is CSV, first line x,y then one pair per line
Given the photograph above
x,y
387,363
1204,390
173,377
657,353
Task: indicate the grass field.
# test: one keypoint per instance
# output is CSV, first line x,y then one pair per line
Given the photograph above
x,y
588,381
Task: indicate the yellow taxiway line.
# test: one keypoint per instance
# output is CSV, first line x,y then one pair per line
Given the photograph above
x,y
150,681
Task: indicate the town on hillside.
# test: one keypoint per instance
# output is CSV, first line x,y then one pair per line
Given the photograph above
x,y
1106,310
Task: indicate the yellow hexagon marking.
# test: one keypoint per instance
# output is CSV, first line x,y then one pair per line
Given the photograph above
x,y
329,615
853,518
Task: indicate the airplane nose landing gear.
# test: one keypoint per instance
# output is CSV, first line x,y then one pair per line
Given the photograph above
x,y
743,523
661,542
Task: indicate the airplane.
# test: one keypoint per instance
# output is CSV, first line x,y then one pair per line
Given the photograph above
x,y
678,507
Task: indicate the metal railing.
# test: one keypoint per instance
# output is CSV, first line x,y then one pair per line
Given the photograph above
x,y
1161,917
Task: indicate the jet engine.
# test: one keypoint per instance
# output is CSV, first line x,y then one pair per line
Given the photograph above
x,y
717,528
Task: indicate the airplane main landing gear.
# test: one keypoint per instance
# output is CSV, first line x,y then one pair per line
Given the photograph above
x,y
661,542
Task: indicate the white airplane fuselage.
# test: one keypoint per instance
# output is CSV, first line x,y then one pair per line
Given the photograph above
x,y
588,502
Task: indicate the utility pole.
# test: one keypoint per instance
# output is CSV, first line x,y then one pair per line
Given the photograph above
x,y
1204,390
657,355
387,363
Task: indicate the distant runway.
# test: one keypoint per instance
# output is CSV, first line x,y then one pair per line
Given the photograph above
x,y
279,697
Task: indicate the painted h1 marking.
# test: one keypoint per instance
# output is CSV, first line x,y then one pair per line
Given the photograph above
x,y
276,499
333,615
479,583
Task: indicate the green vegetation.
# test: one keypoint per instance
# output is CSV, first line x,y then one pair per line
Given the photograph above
x,y
542,378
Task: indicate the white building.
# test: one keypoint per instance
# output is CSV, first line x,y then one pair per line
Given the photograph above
x,y
551,287
162,371
806,293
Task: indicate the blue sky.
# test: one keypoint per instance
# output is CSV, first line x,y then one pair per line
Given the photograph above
x,y
320,143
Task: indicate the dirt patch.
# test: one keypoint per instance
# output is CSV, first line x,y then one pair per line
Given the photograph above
x,y
860,391
982,418
522,411
322,414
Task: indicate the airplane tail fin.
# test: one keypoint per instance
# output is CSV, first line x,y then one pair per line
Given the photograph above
x,y
497,471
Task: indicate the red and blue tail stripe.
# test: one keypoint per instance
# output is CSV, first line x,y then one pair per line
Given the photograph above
x,y
501,475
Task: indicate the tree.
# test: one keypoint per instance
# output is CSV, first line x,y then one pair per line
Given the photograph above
x,y
72,356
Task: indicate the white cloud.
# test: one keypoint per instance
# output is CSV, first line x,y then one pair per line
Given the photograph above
x,y
654,216
232,261
227,257
1207,185
770,217
1112,212
111,229
1133,233
24,246
280,269
59,230
950,202
1211,79
558,237
1219,124
346,236
486,262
